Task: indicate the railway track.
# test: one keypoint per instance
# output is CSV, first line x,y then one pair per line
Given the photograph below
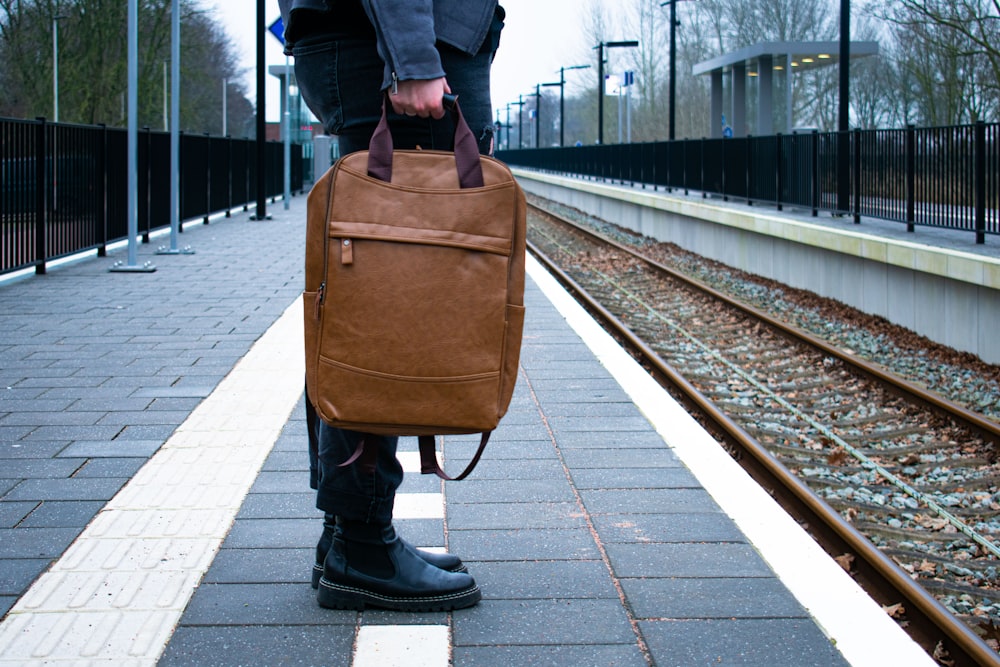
x,y
899,484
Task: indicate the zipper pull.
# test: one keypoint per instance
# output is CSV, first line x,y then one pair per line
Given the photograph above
x,y
395,84
320,295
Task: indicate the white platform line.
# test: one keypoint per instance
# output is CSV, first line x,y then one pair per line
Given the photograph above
x,y
119,590
863,633
402,646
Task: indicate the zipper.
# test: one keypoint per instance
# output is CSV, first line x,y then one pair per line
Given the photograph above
x,y
395,84
320,295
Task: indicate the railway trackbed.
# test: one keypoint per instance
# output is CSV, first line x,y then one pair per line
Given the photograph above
x,y
900,485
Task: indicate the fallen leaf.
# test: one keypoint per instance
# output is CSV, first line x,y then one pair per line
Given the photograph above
x,y
845,561
927,567
894,610
837,457
942,656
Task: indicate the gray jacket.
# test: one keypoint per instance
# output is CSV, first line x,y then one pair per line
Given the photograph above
x,y
407,31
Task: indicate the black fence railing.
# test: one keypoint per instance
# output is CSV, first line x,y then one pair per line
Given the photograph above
x,y
64,188
940,176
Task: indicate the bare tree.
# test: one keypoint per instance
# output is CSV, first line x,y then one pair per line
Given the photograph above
x,y
950,65
975,24
93,65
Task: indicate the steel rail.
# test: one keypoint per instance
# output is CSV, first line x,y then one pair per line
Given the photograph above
x,y
985,427
930,623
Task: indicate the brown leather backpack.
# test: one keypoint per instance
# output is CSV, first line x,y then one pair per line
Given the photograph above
x,y
414,292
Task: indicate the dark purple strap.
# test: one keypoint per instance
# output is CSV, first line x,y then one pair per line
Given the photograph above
x,y
428,457
365,454
470,173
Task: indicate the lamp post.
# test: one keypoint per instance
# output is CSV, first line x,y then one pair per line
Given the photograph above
x,y
538,111
520,107
538,108
600,81
55,67
673,65
562,100
843,114
261,26
507,143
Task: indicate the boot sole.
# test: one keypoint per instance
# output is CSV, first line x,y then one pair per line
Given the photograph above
x,y
337,596
317,572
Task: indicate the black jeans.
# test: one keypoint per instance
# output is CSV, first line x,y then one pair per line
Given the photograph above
x,y
340,79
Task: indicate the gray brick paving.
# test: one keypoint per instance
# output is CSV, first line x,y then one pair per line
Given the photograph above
x,y
756,642
98,369
236,646
591,541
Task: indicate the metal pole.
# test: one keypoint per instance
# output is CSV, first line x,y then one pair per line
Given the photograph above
x,y
520,108
133,143
562,107
600,83
261,213
175,134
562,100
600,92
55,68
133,128
225,106
673,67
843,119
507,143
538,115
166,124
628,113
288,135
620,86
55,107
175,122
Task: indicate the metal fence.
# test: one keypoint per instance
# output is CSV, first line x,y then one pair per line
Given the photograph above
x,y
63,188
940,176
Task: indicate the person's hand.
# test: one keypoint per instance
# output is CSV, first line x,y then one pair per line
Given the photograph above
x,y
420,97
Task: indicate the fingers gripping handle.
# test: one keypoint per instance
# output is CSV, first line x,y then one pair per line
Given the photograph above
x,y
470,173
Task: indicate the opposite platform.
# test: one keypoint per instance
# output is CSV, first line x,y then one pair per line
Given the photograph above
x,y
937,282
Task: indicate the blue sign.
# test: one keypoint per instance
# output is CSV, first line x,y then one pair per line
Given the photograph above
x,y
278,30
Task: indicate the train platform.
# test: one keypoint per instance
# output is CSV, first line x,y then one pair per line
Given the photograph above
x,y
155,509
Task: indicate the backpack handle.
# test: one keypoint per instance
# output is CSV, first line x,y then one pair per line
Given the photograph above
x,y
470,173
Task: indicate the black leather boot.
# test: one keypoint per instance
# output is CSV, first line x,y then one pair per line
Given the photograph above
x,y
369,566
442,561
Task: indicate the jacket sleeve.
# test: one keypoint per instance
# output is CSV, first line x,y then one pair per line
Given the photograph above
x,y
406,38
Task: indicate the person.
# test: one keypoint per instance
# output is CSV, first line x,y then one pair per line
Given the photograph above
x,y
348,55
